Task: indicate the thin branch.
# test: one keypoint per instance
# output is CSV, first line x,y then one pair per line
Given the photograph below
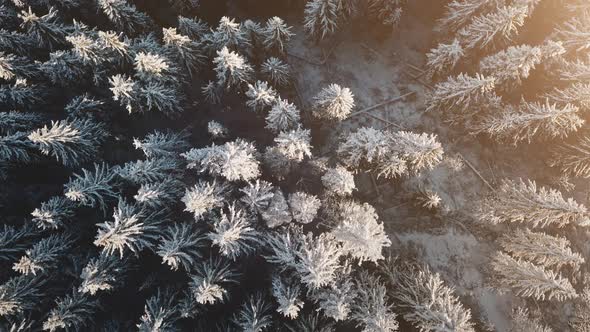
x,y
370,108
476,172
417,79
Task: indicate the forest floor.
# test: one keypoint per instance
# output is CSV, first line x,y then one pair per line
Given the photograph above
x,y
378,69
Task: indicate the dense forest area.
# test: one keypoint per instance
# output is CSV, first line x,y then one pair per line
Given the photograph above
x,y
294,165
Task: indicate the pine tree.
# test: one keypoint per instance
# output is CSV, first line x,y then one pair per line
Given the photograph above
x,y
580,322
420,151
576,71
72,312
311,322
294,144
574,33
70,142
530,121
85,106
257,195
371,310
91,188
254,315
194,28
45,30
444,57
260,96
521,322
304,207
282,247
523,202
541,249
14,121
85,48
124,90
162,144
44,255
573,159
19,294
16,147
277,214
276,34
232,69
287,292
147,171
160,313
529,280
336,301
461,93
216,129
103,273
576,94
12,66
159,96
494,29
204,197
210,280
125,16
282,116
333,103
234,160
318,260
427,199
388,12
276,71
321,18
161,194
459,13
64,69
338,181
255,38
358,230
514,64
234,233
111,42
180,246
430,304
150,66
132,229
14,241
229,35
212,92
16,42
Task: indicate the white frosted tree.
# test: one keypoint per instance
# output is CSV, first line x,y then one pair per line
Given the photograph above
x,y
261,96
125,91
44,255
573,159
444,57
576,94
162,144
160,312
371,309
339,181
429,304
125,16
459,13
420,151
203,198
255,314
529,280
234,160
287,294
276,34
580,320
147,171
54,213
132,230
151,66
523,202
461,93
74,311
70,142
511,66
541,249
257,195
318,260
277,213
14,121
216,129
574,33
91,188
46,30
359,232
276,71
159,194
20,294
294,144
321,18
523,322
531,121
282,116
187,53
103,273
180,245
336,300
234,233
282,248
304,207
333,103
388,12
231,68
494,29
210,280
229,34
